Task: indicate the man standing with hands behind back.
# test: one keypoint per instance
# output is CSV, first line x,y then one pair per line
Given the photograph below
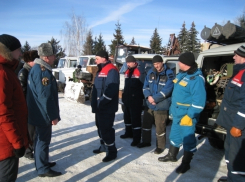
x,y
232,118
105,104
43,107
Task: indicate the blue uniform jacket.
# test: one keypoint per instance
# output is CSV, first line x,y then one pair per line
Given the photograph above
x,y
105,90
189,95
42,96
159,87
232,111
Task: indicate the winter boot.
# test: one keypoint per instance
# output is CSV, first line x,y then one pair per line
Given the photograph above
x,y
128,132
143,144
111,153
101,149
171,156
223,179
136,137
185,165
158,151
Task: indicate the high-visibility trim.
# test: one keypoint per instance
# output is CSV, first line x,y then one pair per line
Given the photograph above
x,y
137,128
226,161
162,94
109,144
128,124
107,97
150,81
241,114
178,103
194,149
238,172
236,83
162,84
146,129
175,144
199,107
161,134
202,77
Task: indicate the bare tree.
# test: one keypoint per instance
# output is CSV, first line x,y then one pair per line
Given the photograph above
x,y
75,35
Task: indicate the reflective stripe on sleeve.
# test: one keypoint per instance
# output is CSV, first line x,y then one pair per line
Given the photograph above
x,y
199,107
241,114
107,97
162,94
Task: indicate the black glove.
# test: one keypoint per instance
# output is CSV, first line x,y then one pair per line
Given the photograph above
x,y
19,152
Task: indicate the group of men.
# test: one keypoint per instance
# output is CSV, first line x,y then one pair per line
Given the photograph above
x,y
183,96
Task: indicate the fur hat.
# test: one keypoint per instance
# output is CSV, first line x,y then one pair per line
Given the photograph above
x,y
102,54
130,59
11,42
30,56
79,66
240,51
157,59
46,49
187,58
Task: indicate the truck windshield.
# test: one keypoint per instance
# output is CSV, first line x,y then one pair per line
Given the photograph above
x,y
83,61
61,63
122,52
73,63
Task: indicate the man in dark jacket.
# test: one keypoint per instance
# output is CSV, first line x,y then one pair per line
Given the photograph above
x,y
13,110
28,57
133,100
43,107
157,90
232,118
105,104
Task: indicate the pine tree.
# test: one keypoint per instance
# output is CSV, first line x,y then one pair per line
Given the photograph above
x,y
156,42
133,42
193,43
183,38
118,39
99,44
26,47
89,44
59,51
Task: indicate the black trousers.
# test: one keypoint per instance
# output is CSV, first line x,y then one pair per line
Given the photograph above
x,y
104,123
132,120
32,135
9,169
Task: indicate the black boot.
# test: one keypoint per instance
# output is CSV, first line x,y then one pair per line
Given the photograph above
x,y
102,148
223,179
128,132
111,153
136,137
185,165
143,144
171,156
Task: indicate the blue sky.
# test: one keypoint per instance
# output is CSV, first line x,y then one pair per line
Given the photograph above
x,y
39,21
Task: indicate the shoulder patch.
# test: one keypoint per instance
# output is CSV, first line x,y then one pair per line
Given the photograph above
x,y
45,81
42,68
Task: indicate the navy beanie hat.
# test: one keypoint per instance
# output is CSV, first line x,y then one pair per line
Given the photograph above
x,y
157,58
11,42
130,59
187,58
102,54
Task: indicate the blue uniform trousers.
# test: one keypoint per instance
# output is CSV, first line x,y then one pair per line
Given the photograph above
x,y
104,123
41,152
183,135
235,157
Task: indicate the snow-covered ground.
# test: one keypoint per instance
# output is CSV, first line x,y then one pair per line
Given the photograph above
x,y
75,137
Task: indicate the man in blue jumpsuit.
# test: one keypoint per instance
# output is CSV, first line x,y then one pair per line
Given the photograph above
x,y
43,107
105,104
188,100
157,89
232,118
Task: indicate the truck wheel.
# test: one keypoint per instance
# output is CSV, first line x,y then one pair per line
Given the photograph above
x,y
216,143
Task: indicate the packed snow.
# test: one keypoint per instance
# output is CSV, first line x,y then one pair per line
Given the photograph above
x,y
75,137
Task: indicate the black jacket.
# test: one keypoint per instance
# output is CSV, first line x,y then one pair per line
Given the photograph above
x,y
23,76
133,88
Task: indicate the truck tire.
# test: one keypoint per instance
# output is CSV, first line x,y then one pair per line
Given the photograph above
x,y
216,143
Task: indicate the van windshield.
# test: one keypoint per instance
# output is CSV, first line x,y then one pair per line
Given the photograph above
x,y
83,61
61,63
